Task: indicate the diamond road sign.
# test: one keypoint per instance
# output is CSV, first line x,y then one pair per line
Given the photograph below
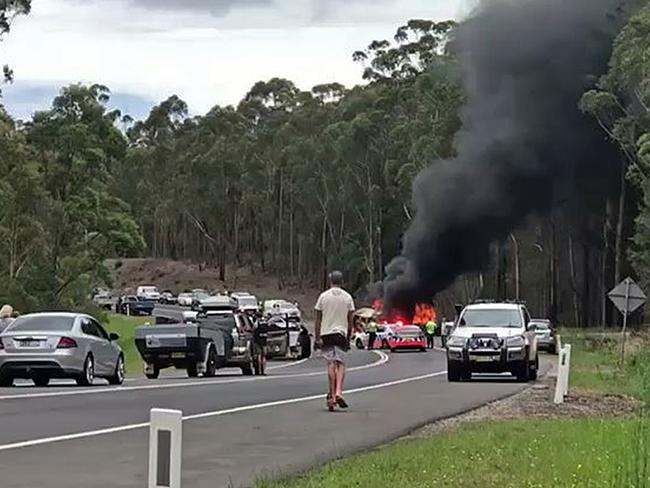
x,y
627,296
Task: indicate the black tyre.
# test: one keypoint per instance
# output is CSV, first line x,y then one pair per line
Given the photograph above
x,y
6,381
118,375
453,372
41,380
392,349
192,370
211,363
522,371
423,349
465,374
533,369
87,376
305,346
247,369
153,375
553,349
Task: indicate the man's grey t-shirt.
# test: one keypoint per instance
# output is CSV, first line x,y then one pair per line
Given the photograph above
x,y
335,304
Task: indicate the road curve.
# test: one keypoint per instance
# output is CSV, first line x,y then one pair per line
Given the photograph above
x,y
236,429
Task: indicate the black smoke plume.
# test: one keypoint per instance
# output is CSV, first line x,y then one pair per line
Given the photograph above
x,y
525,65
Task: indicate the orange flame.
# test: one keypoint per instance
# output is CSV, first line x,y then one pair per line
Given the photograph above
x,y
424,313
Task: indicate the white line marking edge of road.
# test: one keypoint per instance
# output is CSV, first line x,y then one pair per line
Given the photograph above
x,y
217,413
383,359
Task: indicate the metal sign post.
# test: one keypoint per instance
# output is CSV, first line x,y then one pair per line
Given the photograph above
x,y
165,441
627,297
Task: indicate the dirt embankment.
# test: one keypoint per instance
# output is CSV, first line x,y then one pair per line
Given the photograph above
x,y
180,276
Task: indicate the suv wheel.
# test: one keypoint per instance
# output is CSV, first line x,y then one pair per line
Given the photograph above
x,y
211,363
247,369
6,381
453,372
192,370
522,371
154,373
41,380
534,368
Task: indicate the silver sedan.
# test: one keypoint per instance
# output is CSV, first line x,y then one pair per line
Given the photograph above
x,y
59,345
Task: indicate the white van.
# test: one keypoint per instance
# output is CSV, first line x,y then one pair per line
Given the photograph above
x,y
148,292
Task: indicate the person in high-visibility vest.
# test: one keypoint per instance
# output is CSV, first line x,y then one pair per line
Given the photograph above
x,y
371,329
430,329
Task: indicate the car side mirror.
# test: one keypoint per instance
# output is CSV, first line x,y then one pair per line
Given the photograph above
x,y
113,336
530,327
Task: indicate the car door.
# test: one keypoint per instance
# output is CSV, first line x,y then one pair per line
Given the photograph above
x,y
109,350
529,332
245,331
95,345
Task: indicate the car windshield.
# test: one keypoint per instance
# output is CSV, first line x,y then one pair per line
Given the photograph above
x,y
201,296
42,324
409,331
493,317
540,325
247,301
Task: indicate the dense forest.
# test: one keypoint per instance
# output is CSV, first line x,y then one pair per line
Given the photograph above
x,y
293,183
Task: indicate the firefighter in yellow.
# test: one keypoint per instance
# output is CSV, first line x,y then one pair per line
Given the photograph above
x,y
430,329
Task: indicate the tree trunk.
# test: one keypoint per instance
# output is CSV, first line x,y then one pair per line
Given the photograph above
x,y
586,291
619,225
604,283
517,258
572,281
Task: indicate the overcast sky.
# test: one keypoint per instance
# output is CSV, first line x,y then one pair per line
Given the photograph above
x,y
205,51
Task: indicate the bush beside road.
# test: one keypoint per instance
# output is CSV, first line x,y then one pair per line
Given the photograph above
x,y
607,447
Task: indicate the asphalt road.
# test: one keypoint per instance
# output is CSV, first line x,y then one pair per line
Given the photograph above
x,y
236,429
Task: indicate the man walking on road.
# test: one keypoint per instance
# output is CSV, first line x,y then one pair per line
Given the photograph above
x,y
334,320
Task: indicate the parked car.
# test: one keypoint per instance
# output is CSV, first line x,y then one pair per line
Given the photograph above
x,y
148,292
360,339
493,338
246,302
545,332
287,337
407,337
104,299
185,299
168,298
59,345
132,305
222,336
197,298
281,308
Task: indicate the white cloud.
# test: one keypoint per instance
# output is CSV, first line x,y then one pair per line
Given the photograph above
x,y
204,58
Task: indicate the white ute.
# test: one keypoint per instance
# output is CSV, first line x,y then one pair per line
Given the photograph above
x,y
492,338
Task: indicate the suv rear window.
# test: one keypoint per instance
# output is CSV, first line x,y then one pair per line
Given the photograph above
x,y
494,317
41,324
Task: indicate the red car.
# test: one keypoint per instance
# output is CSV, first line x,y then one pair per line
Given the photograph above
x,y
407,337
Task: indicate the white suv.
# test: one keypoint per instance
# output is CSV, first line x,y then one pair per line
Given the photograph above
x,y
492,338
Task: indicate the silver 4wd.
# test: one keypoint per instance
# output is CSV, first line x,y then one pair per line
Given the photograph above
x,y
492,338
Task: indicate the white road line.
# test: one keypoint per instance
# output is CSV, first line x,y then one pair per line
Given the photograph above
x,y
288,365
383,359
217,413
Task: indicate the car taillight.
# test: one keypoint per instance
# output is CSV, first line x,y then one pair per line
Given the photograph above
x,y
66,343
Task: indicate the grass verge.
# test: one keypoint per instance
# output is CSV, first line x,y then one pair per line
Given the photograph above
x,y
125,327
567,453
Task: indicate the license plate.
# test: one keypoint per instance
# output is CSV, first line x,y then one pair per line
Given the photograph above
x,y
30,343
484,359
178,355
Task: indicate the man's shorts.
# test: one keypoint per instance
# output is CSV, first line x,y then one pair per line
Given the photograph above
x,y
334,354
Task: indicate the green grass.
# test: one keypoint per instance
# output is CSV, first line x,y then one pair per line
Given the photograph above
x,y
569,453
125,327
595,362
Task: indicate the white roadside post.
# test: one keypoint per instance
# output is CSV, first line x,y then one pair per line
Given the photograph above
x,y
165,443
567,369
562,367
